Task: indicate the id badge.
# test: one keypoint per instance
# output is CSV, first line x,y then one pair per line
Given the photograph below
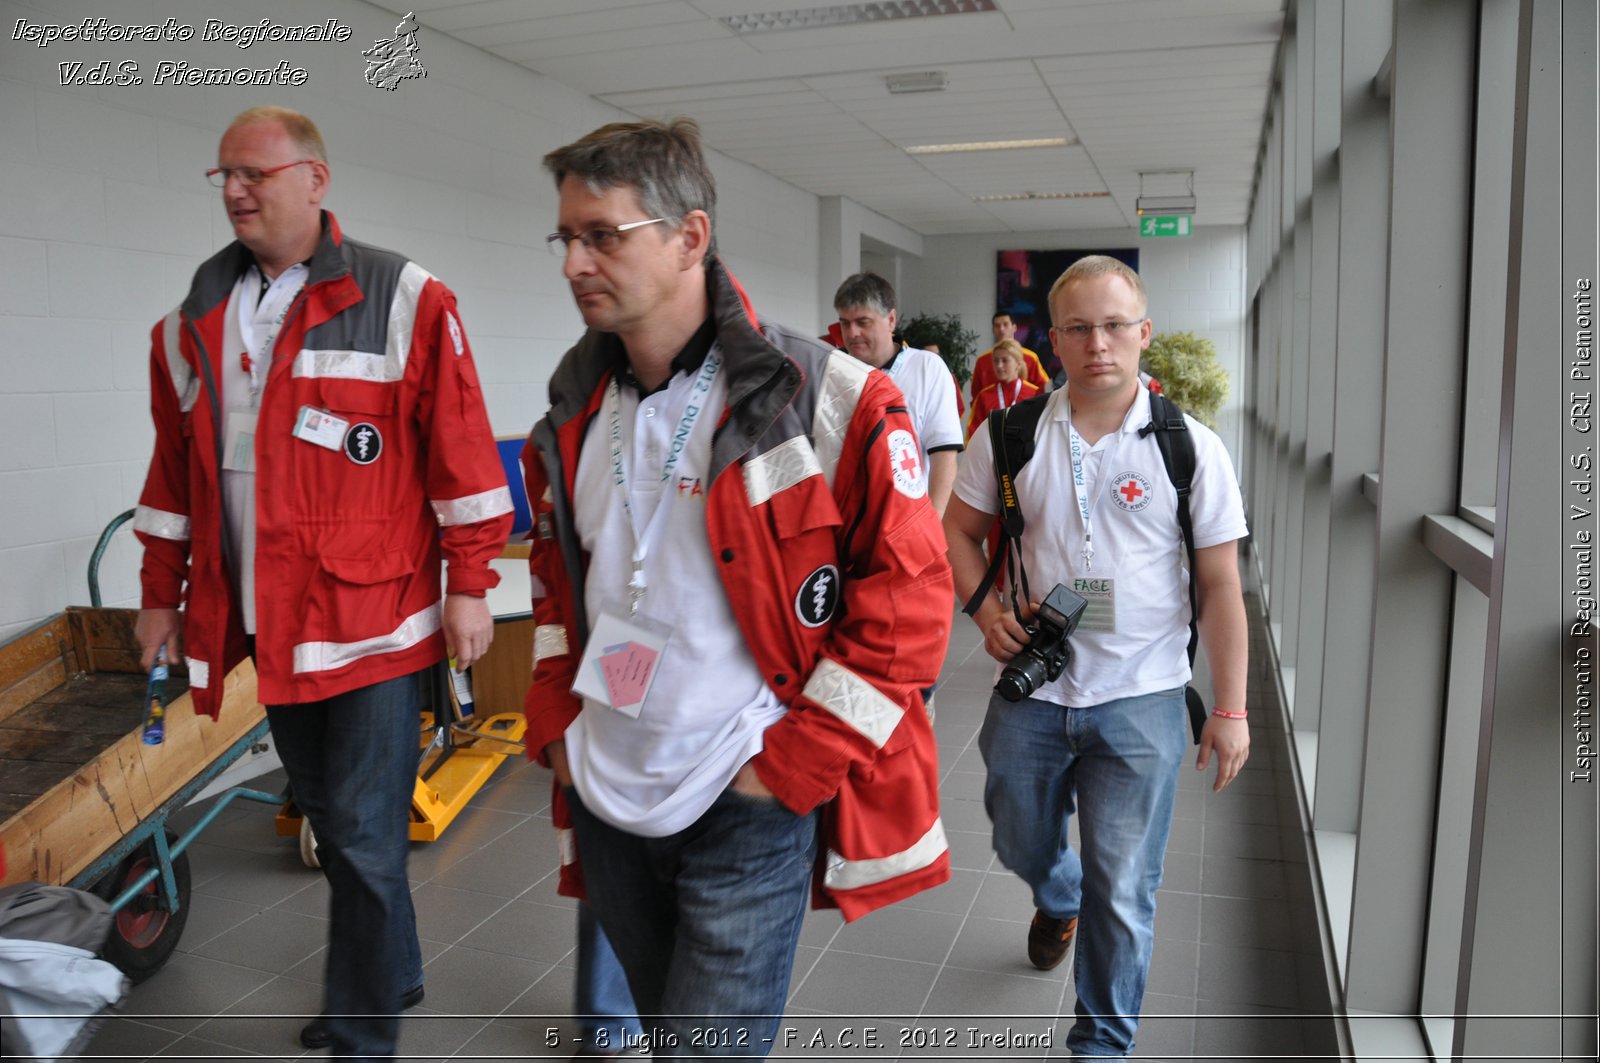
x,y
239,454
1101,594
621,661
320,427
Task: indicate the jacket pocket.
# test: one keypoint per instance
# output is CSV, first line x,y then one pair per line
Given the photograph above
x,y
368,397
359,598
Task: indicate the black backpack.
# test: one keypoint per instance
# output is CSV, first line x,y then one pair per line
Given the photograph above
x,y
1011,435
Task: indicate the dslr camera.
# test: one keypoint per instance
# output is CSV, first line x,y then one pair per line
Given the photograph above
x,y
1048,650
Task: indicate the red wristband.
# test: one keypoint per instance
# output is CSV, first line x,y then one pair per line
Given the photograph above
x,y
1229,715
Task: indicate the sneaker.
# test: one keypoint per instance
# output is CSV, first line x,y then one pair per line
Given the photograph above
x,y
1049,939
315,1033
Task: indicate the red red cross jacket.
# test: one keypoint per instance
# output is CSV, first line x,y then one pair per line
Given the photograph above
x,y
804,484
348,538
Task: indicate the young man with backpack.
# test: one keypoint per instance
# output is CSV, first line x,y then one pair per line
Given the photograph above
x,y
1105,740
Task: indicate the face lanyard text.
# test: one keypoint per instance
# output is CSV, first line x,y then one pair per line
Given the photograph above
x,y
645,537
1086,507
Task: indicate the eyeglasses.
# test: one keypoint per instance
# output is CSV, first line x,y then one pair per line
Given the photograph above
x,y
1080,333
597,241
248,176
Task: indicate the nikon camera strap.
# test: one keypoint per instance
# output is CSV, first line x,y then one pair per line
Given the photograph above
x,y
1011,432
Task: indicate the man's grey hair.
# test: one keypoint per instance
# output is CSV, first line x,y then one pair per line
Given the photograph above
x,y
868,290
661,161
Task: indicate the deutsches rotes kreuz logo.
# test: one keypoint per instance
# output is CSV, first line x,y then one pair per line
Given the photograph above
x,y
1130,490
905,461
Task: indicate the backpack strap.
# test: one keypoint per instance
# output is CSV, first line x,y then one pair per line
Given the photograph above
x,y
1177,454
1011,439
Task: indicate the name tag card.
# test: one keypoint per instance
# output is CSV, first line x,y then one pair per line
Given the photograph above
x,y
620,662
239,453
1101,594
320,427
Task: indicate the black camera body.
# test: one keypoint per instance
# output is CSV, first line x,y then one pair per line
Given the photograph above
x,y
1048,651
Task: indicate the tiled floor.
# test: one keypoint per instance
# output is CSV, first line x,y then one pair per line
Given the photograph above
x,y
1235,973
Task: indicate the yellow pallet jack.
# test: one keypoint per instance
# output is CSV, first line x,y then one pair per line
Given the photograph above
x,y
459,754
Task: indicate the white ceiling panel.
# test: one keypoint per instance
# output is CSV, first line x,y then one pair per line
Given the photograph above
x,y
1140,84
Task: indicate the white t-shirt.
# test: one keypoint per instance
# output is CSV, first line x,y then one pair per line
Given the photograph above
x,y
250,327
1136,641
709,703
930,393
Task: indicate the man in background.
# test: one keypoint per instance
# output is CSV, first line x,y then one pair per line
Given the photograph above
x,y
983,368
865,303
1105,740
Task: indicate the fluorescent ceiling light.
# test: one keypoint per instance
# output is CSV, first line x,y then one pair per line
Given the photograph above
x,y
1014,197
991,145
806,18
1164,205
926,81
1165,192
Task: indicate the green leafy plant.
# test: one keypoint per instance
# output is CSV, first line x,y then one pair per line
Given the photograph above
x,y
1187,367
957,345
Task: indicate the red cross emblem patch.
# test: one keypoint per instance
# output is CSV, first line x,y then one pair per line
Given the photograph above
x,y
1130,491
905,462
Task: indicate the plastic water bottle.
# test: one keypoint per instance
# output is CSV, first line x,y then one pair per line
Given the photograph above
x,y
155,700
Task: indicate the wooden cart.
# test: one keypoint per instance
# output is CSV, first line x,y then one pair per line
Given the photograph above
x,y
83,801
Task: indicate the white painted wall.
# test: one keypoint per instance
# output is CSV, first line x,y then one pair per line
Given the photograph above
x,y
105,215
1195,284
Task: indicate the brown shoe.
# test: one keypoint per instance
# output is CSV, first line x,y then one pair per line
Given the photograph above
x,y
1049,939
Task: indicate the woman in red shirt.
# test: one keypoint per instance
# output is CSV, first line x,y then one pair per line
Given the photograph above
x,y
1009,388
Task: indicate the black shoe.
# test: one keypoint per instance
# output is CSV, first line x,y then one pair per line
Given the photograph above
x,y
315,1033
1049,939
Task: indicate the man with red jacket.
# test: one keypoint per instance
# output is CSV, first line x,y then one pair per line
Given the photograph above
x,y
321,440
743,590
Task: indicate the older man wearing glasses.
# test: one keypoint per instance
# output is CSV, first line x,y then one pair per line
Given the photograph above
x,y
321,441
744,592
1104,741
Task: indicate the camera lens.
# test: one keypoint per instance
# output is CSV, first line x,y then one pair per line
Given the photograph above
x,y
1020,678
1011,686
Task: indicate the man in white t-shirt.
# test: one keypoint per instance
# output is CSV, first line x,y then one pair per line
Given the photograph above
x,y
1106,739
865,303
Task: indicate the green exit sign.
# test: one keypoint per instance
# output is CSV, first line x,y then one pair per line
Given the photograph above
x,y
1166,225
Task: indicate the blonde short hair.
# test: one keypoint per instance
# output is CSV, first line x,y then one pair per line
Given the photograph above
x,y
1091,266
302,130
1011,349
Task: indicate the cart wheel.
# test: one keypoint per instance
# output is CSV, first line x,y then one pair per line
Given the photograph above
x,y
308,844
144,934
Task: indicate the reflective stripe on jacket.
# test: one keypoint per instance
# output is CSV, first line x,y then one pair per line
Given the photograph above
x,y
348,539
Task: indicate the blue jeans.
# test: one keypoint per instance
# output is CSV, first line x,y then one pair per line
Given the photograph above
x,y
705,921
352,763
606,1016
1116,765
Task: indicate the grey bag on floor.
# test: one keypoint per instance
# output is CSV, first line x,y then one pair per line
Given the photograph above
x,y
53,990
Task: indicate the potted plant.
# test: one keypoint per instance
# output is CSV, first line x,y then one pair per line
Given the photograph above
x,y
956,345
1187,368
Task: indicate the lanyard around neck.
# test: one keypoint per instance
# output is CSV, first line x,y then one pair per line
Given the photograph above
x,y
275,295
1086,505
695,401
